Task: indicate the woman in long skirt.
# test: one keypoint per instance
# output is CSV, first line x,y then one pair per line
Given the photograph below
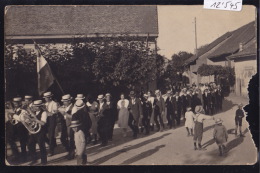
x,y
198,128
93,112
123,115
220,135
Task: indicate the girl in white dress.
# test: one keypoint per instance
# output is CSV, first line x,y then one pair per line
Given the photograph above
x,y
123,115
189,123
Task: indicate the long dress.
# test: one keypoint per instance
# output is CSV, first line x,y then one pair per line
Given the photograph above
x,y
93,112
123,114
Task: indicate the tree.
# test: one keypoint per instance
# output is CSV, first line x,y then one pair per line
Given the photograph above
x,y
175,67
90,66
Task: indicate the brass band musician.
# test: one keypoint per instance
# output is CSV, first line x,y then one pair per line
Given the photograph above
x,y
15,129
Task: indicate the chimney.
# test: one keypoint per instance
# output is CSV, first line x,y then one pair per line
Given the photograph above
x,y
240,47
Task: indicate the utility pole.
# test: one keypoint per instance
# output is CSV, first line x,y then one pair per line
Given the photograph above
x,y
195,37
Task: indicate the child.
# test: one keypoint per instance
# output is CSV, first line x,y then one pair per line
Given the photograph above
x,y
189,123
80,142
220,135
238,119
198,127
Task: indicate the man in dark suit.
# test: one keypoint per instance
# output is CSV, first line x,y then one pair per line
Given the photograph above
x,y
184,102
177,107
112,111
147,112
169,106
136,112
159,101
219,98
103,120
206,101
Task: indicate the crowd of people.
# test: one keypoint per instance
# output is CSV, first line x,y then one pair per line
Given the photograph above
x,y
91,120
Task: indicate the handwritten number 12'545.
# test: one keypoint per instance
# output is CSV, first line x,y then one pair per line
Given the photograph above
x,y
228,4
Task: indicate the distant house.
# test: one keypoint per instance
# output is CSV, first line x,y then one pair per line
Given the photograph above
x,y
245,61
64,24
216,52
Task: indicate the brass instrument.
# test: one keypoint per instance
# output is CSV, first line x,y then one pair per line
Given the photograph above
x,y
30,124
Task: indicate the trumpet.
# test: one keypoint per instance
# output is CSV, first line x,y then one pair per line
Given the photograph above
x,y
30,124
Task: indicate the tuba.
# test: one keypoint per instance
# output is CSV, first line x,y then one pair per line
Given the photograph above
x,y
30,124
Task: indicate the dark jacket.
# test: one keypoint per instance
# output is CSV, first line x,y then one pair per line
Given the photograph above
x,y
177,104
103,115
136,109
169,105
147,109
206,99
160,103
189,100
112,111
83,117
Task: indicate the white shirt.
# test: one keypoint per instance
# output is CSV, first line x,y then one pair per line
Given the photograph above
x,y
119,103
101,104
67,108
52,106
43,117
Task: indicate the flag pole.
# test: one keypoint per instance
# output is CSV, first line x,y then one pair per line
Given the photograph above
x,y
52,73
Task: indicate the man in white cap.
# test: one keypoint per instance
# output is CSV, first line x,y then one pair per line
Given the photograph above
x,y
83,117
51,107
66,111
151,100
103,120
18,130
79,97
40,117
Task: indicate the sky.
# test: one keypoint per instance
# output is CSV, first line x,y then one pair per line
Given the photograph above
x,y
177,29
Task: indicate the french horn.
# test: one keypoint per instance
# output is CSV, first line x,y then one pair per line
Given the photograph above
x,y
30,124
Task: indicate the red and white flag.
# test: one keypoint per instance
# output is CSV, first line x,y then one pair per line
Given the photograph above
x,y
45,77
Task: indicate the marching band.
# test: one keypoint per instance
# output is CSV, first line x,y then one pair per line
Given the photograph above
x,y
37,122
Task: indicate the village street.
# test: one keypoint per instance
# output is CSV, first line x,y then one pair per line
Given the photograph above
x,y
171,147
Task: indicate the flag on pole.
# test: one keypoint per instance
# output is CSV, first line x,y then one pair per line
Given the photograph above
x,y
45,77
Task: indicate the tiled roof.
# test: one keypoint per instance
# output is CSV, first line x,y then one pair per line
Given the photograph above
x,y
80,20
242,35
208,47
248,50
230,44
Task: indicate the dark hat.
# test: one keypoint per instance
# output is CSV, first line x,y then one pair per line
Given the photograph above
x,y
132,93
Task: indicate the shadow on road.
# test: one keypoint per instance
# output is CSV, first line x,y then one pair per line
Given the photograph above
x,y
142,155
116,153
208,143
227,105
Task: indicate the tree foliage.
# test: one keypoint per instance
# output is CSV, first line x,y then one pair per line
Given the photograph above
x,y
175,67
218,71
92,65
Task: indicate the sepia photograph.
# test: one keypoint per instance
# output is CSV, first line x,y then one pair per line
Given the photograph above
x,y
128,85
